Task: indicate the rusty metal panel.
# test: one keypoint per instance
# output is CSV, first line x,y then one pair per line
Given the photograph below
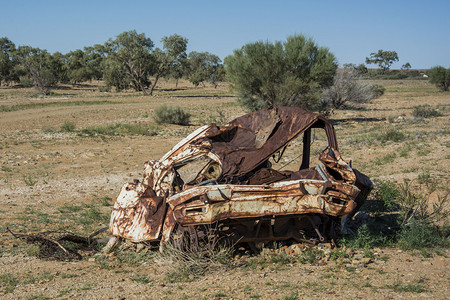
x,y
283,198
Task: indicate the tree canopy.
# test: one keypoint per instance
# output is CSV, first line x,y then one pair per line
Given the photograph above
x,y
171,60
290,73
129,61
440,76
7,49
39,66
204,66
384,59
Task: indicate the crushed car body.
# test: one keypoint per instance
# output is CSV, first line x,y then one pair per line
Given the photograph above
x,y
226,182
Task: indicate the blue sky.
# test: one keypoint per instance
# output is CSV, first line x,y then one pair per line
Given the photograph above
x,y
417,30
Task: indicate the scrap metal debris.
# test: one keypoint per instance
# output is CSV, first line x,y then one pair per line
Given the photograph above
x,y
224,177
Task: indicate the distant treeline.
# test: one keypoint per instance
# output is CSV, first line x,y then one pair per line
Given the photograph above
x,y
128,61
295,72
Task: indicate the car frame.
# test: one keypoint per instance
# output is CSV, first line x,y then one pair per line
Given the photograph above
x,y
218,184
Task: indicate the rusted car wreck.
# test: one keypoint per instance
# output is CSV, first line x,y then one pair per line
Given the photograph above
x,y
221,182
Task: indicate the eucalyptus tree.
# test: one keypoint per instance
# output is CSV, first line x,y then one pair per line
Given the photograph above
x,y
129,61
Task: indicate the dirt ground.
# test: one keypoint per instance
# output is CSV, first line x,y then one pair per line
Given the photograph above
x,y
55,175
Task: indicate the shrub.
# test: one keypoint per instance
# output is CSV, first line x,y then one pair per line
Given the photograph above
x,y
368,235
171,115
378,90
26,82
406,218
391,134
290,73
346,88
415,205
388,193
9,282
425,111
68,126
418,235
190,263
440,77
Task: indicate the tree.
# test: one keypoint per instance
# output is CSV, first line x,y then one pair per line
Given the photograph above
x,y
289,73
115,75
95,60
77,70
406,66
7,49
384,59
175,48
129,59
204,66
440,77
58,63
39,66
361,69
170,61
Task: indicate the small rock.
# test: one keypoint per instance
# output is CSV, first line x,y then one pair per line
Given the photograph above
x,y
294,250
91,259
358,256
327,245
366,260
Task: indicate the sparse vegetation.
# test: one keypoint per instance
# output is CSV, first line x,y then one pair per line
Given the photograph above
x,y
29,180
120,129
8,108
9,282
140,278
404,217
68,126
399,286
391,134
425,111
171,115
190,264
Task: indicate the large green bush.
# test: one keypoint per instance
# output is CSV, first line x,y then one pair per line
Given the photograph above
x,y
291,73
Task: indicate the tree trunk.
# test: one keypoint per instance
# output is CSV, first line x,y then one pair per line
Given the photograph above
x,y
154,84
